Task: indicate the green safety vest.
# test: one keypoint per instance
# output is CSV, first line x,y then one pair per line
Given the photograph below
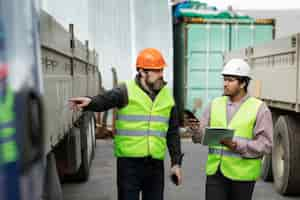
x,y
233,165
142,125
8,146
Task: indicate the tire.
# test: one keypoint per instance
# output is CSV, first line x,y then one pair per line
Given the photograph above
x,y
266,168
286,156
85,132
32,148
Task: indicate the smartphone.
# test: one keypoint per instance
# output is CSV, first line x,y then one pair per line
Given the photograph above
x,y
174,179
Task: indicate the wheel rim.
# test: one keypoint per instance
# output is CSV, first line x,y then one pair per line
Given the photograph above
x,y
93,131
279,158
89,139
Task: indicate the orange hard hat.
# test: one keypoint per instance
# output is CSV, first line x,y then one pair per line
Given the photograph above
x,y
150,58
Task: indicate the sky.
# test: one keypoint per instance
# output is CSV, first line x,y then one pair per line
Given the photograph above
x,y
254,4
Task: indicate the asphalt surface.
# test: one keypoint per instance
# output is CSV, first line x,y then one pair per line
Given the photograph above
x,y
102,182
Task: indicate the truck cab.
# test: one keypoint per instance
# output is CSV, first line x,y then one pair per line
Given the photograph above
x,y
42,142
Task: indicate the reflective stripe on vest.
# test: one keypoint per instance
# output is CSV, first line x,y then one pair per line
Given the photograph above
x,y
5,125
233,165
7,129
224,152
141,133
8,145
142,125
143,118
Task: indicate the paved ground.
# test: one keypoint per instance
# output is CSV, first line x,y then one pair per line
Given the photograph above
x,y
102,185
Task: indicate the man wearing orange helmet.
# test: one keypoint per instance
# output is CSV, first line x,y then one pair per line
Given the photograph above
x,y
146,126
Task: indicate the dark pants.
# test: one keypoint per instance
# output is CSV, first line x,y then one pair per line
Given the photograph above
x,y
140,175
219,187
11,181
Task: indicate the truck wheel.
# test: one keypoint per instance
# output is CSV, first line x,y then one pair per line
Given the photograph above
x,y
33,140
266,168
286,155
84,170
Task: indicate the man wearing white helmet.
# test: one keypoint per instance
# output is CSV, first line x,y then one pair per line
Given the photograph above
x,y
233,167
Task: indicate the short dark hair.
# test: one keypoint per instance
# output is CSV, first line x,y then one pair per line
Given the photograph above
x,y
138,72
244,79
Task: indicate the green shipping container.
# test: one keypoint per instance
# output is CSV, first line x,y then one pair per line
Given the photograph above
x,y
199,45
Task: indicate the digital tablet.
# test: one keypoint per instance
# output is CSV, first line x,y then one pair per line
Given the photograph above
x,y
213,136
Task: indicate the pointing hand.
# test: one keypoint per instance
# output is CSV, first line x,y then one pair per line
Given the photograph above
x,y
77,103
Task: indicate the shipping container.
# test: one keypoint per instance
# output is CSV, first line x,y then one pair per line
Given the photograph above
x,y
199,45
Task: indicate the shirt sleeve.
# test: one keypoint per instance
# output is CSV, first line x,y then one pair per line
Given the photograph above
x,y
173,139
204,122
263,136
116,97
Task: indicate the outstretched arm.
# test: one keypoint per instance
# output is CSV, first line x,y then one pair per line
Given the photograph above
x,y
116,97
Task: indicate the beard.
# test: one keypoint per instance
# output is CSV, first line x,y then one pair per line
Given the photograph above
x,y
156,85
231,93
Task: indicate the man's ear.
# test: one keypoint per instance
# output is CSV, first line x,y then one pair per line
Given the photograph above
x,y
243,85
142,72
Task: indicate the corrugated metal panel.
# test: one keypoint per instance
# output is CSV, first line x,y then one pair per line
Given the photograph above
x,y
263,33
206,45
246,35
60,83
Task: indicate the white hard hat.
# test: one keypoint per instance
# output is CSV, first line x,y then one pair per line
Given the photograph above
x,y
237,67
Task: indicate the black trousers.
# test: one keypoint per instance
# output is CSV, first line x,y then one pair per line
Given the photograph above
x,y
140,175
219,187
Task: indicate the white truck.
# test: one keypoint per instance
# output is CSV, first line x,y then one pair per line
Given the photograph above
x,y
276,80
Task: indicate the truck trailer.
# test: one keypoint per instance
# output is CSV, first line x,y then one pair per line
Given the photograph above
x,y
275,68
